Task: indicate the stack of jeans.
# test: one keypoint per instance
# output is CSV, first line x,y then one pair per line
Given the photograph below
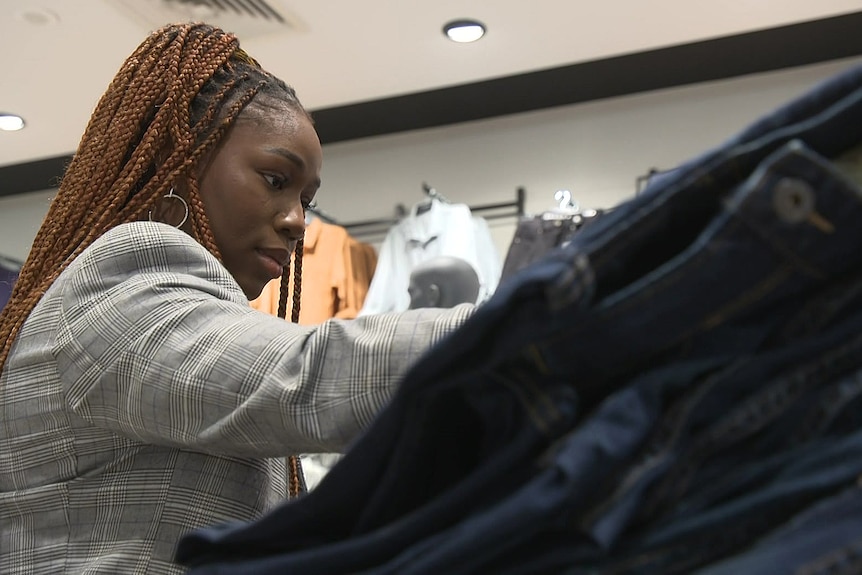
x,y
678,389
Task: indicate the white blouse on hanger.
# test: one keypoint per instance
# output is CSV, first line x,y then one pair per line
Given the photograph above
x,y
442,229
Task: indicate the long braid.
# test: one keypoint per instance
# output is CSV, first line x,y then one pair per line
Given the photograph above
x,y
285,285
295,480
171,103
283,292
297,280
295,477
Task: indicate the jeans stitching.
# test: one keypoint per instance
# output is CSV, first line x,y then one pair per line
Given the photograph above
x,y
846,560
539,407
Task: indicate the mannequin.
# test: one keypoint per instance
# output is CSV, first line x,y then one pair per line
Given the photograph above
x,y
444,281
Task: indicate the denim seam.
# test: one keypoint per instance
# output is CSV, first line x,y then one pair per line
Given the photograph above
x,y
833,400
737,306
807,377
680,420
538,406
702,259
813,315
844,560
643,219
754,413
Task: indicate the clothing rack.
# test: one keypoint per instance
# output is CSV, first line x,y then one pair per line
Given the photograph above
x,y
380,226
321,214
10,263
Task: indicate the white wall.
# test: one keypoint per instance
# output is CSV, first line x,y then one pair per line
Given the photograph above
x,y
596,150
20,217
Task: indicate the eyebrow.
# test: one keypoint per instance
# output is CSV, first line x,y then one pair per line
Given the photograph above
x,y
285,153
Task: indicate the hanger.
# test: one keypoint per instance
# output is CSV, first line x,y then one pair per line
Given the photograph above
x,y
566,207
433,196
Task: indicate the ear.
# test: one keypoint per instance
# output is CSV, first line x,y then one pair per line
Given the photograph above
x,y
433,293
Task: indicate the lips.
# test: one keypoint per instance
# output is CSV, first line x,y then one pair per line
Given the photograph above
x,y
274,260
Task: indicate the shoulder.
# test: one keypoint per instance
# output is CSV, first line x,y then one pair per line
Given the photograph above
x,y
148,243
140,250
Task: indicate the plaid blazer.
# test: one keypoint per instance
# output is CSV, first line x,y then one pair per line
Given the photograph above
x,y
144,397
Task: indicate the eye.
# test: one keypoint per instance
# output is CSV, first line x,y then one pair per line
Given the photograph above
x,y
308,204
276,181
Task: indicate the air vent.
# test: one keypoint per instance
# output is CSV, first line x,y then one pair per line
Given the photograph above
x,y
245,18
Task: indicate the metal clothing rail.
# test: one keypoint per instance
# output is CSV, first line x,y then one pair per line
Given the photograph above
x,y
380,226
10,264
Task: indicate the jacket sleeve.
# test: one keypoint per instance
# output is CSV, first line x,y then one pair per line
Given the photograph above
x,y
157,342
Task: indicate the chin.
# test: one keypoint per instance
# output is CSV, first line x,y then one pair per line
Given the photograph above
x,y
252,291
253,294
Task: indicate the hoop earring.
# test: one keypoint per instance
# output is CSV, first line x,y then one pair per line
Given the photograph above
x,y
170,195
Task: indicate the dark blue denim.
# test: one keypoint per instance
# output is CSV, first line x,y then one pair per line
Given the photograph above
x,y
825,539
534,237
538,235
758,471
537,417
555,520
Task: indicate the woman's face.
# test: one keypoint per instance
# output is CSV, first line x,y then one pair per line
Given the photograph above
x,y
255,191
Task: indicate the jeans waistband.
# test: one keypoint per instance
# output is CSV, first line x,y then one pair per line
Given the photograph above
x,y
787,229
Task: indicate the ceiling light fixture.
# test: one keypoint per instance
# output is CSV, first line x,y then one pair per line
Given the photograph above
x,y
37,17
10,122
464,30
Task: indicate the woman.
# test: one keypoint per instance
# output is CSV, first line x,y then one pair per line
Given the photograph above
x,y
141,395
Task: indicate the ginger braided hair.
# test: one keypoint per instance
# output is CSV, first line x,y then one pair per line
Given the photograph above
x,y
169,106
295,478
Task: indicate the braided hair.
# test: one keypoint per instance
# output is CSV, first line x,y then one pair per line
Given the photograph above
x,y
169,106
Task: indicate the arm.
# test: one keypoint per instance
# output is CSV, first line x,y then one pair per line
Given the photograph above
x,y
156,342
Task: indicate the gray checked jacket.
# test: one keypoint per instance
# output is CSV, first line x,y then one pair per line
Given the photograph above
x,y
144,398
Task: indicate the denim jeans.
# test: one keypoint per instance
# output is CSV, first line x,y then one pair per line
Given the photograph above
x,y
823,540
525,441
562,518
536,236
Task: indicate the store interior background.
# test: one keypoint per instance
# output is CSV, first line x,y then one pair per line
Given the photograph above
x,y
596,149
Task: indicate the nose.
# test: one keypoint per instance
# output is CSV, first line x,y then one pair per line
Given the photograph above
x,y
290,222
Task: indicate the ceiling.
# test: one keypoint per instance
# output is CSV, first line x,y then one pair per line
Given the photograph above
x,y
378,66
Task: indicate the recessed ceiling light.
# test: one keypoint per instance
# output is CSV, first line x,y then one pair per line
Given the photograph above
x,y
10,122
37,16
464,30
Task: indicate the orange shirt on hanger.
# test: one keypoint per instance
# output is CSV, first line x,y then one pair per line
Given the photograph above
x,y
336,273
